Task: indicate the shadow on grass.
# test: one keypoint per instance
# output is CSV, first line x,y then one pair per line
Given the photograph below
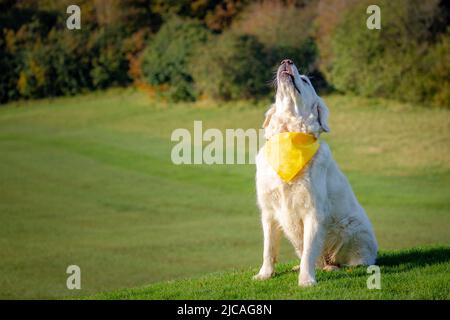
x,y
397,261
416,257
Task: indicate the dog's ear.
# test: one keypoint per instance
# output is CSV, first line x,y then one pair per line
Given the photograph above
x,y
322,115
269,114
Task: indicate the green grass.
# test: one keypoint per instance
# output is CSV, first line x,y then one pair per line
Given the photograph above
x,y
419,273
88,181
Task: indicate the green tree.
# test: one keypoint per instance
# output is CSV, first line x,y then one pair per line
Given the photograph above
x,y
232,66
165,61
392,62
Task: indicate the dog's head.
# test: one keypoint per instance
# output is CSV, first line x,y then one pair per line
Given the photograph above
x,y
297,98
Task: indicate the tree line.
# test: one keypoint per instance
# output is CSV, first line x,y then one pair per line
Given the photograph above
x,y
189,50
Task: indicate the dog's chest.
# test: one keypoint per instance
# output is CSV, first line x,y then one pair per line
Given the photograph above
x,y
295,195
292,198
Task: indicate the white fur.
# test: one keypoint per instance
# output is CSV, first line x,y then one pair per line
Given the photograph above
x,y
317,211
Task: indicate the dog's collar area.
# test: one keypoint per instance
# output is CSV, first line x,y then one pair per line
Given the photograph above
x,y
289,152
306,137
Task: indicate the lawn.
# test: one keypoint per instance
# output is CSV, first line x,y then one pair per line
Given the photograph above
x,y
88,180
418,273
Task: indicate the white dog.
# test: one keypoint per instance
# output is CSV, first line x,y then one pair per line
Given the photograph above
x,y
317,210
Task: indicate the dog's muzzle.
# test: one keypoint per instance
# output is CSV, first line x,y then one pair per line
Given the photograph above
x,y
285,73
285,70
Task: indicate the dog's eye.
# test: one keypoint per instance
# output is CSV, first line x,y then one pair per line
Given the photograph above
x,y
304,80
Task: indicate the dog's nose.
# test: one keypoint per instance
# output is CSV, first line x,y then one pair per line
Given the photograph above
x,y
287,61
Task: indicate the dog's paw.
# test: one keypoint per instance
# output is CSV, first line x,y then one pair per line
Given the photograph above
x,y
263,276
330,267
295,268
309,282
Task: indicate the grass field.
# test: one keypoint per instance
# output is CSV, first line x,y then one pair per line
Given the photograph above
x,y
419,273
88,181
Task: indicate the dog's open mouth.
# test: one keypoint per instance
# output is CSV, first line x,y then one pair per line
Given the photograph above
x,y
287,69
287,73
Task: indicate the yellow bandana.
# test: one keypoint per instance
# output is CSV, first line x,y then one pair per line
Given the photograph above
x,y
289,152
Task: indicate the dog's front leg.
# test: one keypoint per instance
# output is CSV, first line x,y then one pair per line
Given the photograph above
x,y
313,236
272,235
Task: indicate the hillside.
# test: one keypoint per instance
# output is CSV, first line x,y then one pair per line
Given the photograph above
x,y
419,273
88,180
